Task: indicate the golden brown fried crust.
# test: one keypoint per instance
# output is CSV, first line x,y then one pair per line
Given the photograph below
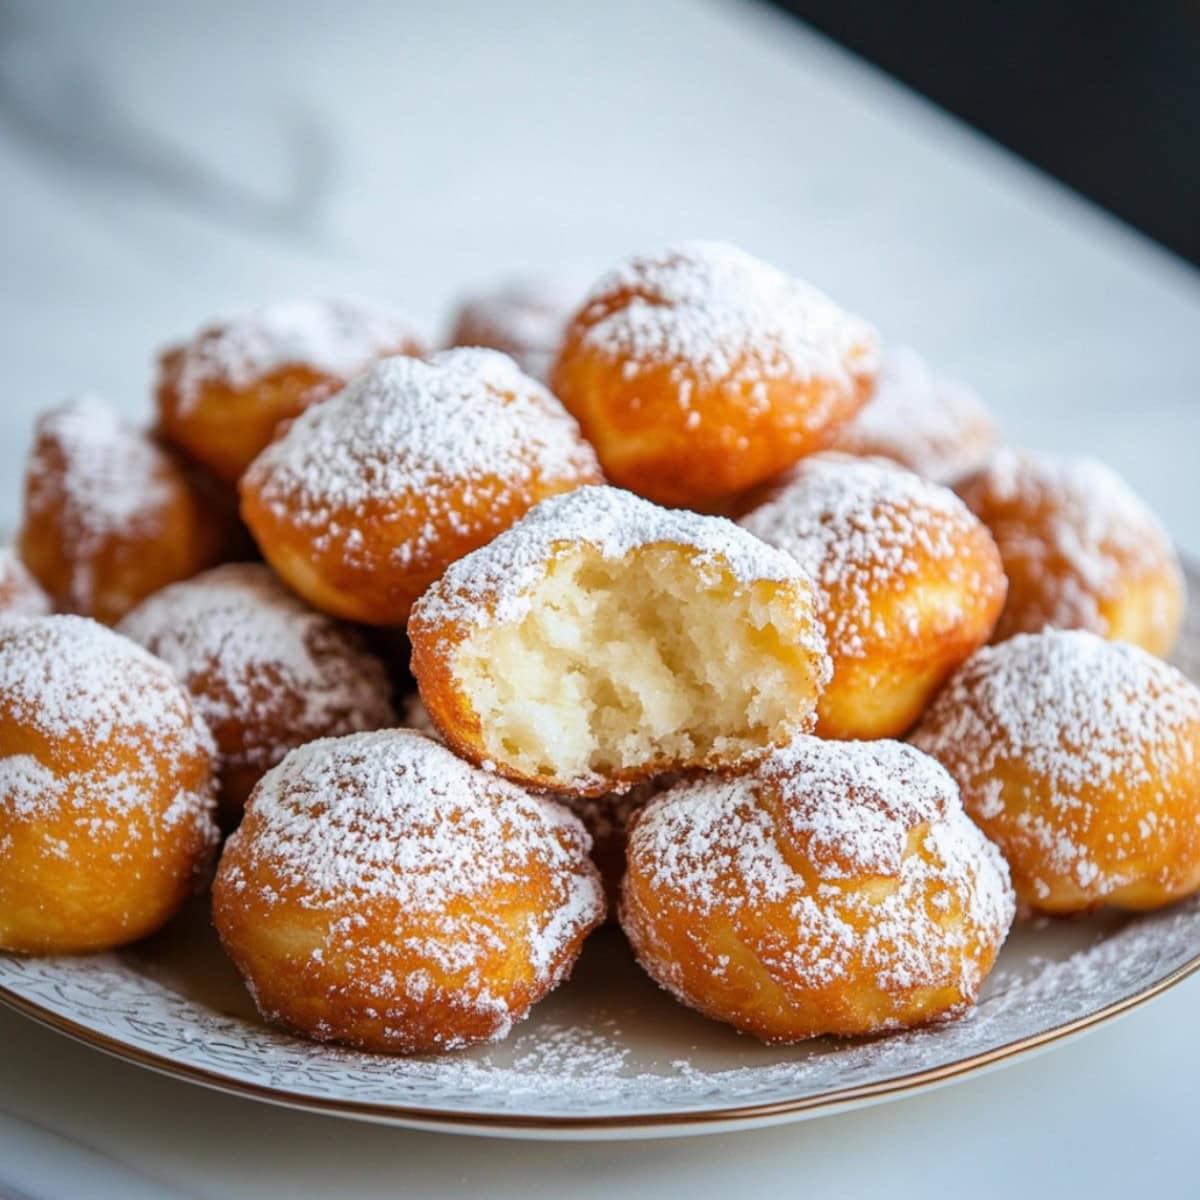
x,y
182,535
224,428
1127,586
826,945
466,515
1094,799
651,445
363,968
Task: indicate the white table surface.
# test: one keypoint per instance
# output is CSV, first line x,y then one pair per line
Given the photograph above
x,y
439,145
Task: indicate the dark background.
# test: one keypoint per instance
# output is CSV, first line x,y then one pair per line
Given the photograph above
x,y
1104,96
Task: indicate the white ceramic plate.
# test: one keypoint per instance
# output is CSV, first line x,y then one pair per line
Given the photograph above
x,y
608,1055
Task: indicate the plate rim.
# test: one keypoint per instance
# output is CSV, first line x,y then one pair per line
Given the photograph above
x,y
612,1125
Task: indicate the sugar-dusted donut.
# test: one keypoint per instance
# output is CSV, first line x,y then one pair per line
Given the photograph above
x,y
525,317
698,372
1080,549
603,640
110,516
369,496
383,893
606,817
935,426
839,888
1080,758
223,395
909,583
20,594
265,671
106,788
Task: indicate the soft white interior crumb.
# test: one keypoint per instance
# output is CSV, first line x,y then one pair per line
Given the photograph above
x,y
652,658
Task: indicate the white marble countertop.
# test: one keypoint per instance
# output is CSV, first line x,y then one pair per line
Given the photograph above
x,y
405,151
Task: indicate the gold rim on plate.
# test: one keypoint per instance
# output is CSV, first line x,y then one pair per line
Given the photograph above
x,y
744,1114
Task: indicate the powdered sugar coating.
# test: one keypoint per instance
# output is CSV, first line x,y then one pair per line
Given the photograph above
x,y
862,528
721,317
728,849
1076,527
335,337
525,317
20,594
95,478
393,819
266,672
71,678
112,721
494,584
1052,735
935,426
409,433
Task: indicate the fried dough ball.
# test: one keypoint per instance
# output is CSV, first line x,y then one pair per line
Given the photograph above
x,y
20,594
110,516
606,818
839,888
699,372
935,426
1080,549
265,671
106,788
909,584
223,395
525,318
369,496
603,640
383,893
1080,759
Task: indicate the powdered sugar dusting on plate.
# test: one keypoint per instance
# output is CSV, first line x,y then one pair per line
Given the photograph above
x,y
721,317
266,671
862,528
494,584
723,846
933,425
1071,713
334,337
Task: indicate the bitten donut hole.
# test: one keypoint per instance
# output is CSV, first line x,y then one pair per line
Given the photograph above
x,y
656,658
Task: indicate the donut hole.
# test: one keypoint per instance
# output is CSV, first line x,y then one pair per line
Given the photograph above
x,y
655,659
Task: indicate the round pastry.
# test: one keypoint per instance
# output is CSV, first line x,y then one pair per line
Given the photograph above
x,y
606,818
106,788
909,583
110,516
369,496
265,671
383,893
525,318
20,594
699,372
223,395
1080,759
839,888
1080,549
935,426
603,640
